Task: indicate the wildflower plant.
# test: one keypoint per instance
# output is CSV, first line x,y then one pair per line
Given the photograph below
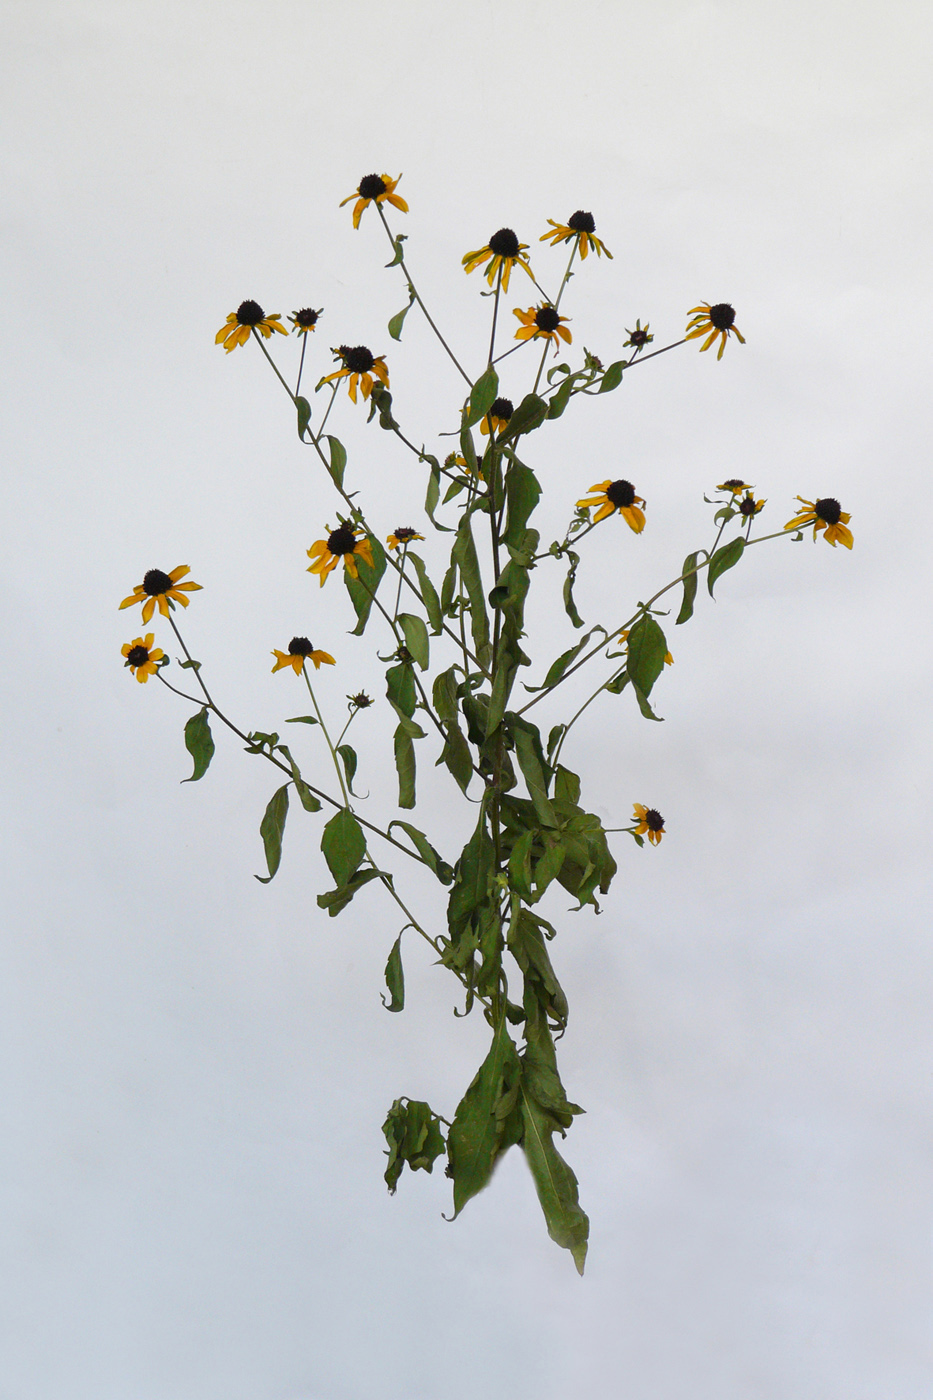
x,y
469,687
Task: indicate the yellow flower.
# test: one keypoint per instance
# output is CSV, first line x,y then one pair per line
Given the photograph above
x,y
580,225
498,416
374,187
299,651
825,515
668,659
544,323
402,535
249,316
620,496
362,366
649,821
734,486
749,507
305,320
340,543
158,587
718,320
638,338
502,252
141,659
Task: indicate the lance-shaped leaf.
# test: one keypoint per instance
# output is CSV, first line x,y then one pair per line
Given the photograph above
x,y
380,401
306,796
570,607
335,900
485,1122
399,250
362,590
520,866
271,829
414,1135
348,754
395,978
428,854
432,604
725,558
398,320
482,397
338,460
416,638
200,744
528,752
613,377
304,415
647,648
433,493
689,571
465,557
561,399
566,658
522,493
530,414
456,755
405,767
343,844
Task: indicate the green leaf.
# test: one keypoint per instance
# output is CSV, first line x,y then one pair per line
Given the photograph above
x,y
725,558
570,606
482,397
302,719
530,414
416,638
304,415
188,665
399,251
613,377
560,400
271,829
690,585
336,900
348,755
405,766
522,492
398,320
565,659
520,865
380,401
305,795
643,703
200,744
343,844
465,557
400,689
363,589
484,1124
395,978
456,754
527,753
414,1135
338,460
428,854
432,604
647,648
555,1183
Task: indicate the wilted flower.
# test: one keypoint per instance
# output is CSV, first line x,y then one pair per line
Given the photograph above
x,y
299,651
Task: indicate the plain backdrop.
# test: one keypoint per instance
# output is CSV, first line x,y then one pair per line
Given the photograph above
x,y
194,1066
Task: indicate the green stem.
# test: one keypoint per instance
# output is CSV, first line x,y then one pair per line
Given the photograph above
x,y
333,752
495,315
417,297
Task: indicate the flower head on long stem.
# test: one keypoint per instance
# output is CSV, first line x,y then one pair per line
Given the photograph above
x,y
240,324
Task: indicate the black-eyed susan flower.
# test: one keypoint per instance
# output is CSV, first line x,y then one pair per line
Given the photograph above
x,y
402,535
668,659
718,320
299,651
343,543
140,657
249,316
638,338
160,588
650,821
497,418
582,226
734,486
542,323
305,320
826,515
749,507
502,253
361,701
361,366
620,496
378,188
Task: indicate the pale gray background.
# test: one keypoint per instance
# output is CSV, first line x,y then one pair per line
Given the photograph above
x,y
195,1067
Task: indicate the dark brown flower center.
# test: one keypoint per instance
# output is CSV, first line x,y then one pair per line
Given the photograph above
x,y
621,493
156,582
357,358
403,533
653,820
504,243
371,186
582,222
137,656
300,646
547,319
638,337
828,509
722,315
307,317
747,506
249,313
733,485
361,701
342,540
502,409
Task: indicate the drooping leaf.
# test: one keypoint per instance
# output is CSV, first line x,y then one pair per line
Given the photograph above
x,y
343,844
647,648
432,605
428,854
399,251
348,755
336,900
529,760
405,767
416,638
613,377
484,1124
570,606
362,590
725,558
414,1135
398,320
529,414
338,460
456,754
464,554
482,396
522,493
304,415
271,829
555,1183
305,795
561,399
200,744
395,978
689,571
